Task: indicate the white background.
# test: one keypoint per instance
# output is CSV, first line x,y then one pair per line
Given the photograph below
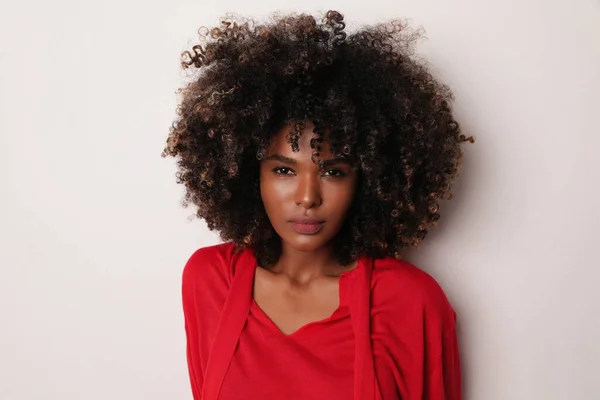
x,y
93,238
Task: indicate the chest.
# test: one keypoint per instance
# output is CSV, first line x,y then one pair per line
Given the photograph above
x,y
313,363
289,307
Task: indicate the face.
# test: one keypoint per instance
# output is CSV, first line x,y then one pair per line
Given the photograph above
x,y
305,204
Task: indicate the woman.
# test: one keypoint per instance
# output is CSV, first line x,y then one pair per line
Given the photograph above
x,y
318,156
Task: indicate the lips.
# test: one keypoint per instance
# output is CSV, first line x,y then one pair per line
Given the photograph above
x,y
307,226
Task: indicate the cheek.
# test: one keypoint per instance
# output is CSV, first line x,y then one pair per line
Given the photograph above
x,y
273,192
341,198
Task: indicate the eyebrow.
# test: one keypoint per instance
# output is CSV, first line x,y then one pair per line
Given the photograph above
x,y
280,158
335,161
325,163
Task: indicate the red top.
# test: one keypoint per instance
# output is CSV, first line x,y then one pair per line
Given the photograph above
x,y
393,336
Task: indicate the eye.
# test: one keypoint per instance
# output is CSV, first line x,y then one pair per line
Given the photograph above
x,y
334,173
283,171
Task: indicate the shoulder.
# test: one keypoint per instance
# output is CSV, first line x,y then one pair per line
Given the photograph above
x,y
399,288
211,265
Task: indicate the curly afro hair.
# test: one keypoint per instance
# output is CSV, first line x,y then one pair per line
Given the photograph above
x,y
378,103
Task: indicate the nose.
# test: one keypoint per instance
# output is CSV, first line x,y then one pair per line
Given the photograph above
x,y
308,192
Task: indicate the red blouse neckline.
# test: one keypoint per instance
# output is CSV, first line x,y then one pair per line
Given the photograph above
x,y
237,306
342,311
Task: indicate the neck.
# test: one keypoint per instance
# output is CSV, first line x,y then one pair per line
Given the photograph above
x,y
304,266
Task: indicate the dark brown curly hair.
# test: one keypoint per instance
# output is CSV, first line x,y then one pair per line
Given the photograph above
x,y
377,102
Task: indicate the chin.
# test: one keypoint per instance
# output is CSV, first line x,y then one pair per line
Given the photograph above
x,y
307,243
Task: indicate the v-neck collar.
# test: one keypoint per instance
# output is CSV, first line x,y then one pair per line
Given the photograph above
x,y
237,306
342,310
339,313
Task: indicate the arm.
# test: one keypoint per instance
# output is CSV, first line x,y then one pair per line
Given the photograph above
x,y
192,335
414,336
444,380
451,361
205,282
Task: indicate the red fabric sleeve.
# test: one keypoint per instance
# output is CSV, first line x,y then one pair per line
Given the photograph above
x,y
443,378
191,332
451,367
414,339
196,375
205,282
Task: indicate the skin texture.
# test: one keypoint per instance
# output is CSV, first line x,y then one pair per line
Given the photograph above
x,y
291,304
378,103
